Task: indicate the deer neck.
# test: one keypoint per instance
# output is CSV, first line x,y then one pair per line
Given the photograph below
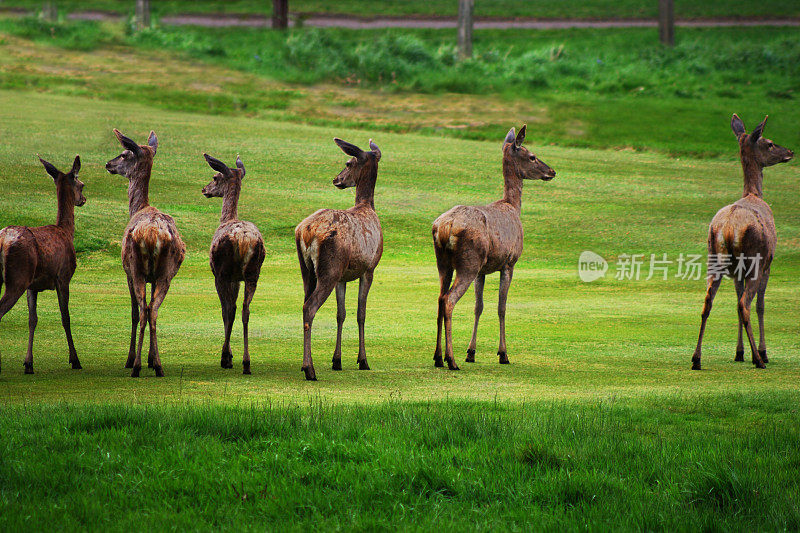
x,y
513,186
139,187
365,190
753,177
230,203
66,208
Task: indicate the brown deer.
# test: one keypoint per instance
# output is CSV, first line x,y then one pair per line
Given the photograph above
x,y
237,252
475,241
741,241
337,246
43,258
152,249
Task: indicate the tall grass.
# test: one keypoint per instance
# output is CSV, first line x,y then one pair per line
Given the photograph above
x,y
453,465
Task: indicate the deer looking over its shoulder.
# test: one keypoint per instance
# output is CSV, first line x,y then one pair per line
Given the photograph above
x,y
743,233
152,249
477,240
335,246
43,258
237,252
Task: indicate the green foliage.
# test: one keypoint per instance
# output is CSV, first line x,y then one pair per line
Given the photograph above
x,y
483,8
398,465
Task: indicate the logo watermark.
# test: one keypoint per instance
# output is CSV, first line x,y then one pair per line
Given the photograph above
x,y
635,267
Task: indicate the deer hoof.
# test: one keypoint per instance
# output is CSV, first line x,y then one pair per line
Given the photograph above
x,y
159,371
739,356
503,358
451,365
337,364
135,371
309,372
362,365
437,361
129,363
28,368
763,355
696,363
470,356
76,365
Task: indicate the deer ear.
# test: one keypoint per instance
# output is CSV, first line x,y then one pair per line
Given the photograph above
x,y
375,150
76,166
348,148
152,142
217,165
510,137
521,136
737,125
127,142
240,165
53,171
756,135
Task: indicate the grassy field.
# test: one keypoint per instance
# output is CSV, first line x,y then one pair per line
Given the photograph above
x,y
483,8
598,422
584,88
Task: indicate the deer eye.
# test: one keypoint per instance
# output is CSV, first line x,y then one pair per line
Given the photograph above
x,y
770,145
533,158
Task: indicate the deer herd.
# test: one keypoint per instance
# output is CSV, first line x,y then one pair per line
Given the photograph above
x,y
335,247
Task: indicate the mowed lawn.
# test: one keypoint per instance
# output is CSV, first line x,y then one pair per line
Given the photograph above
x,y
566,338
598,421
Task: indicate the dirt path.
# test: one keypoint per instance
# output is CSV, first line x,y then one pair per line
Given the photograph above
x,y
325,21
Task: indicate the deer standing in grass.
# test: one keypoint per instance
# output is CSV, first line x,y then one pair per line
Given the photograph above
x,y
43,258
337,246
475,241
237,252
152,249
741,241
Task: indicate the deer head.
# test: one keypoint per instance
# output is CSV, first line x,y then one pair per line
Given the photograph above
x,y
224,178
360,165
133,156
69,180
523,163
755,147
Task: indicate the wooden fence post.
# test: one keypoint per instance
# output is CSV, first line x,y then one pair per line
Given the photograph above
x,y
465,8
666,22
280,14
142,18
50,11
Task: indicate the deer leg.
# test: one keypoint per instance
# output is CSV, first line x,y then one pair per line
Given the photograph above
x,y
479,281
445,279
711,292
363,291
750,290
134,323
341,313
140,286
151,350
322,290
505,283
10,297
762,289
62,290
249,291
159,293
228,304
33,319
460,286
739,284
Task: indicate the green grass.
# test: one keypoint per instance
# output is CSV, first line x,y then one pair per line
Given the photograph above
x,y
567,338
713,463
585,88
483,8
598,422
